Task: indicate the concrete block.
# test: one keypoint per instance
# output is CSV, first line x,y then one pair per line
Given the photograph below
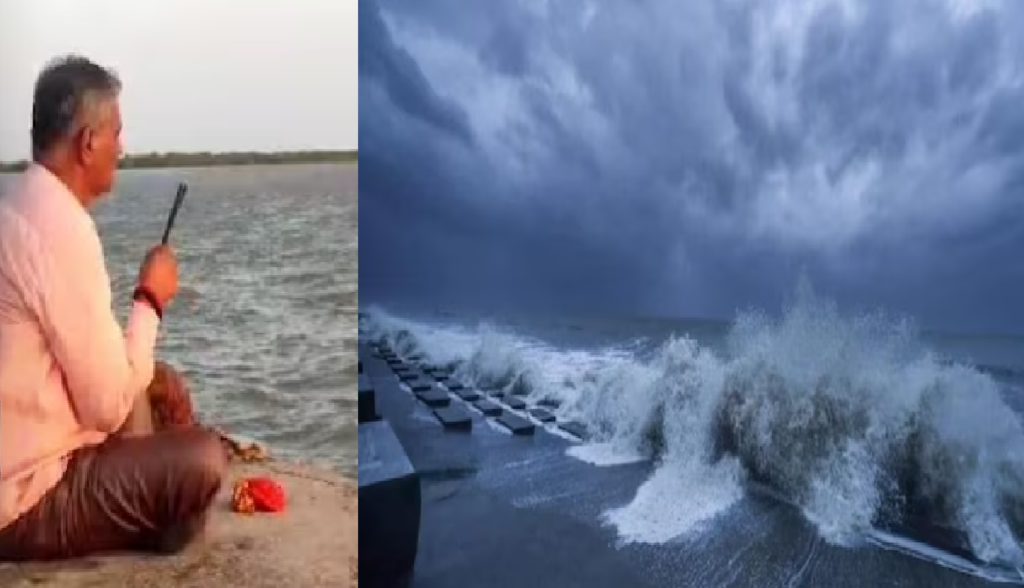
x,y
542,415
434,398
488,407
468,394
517,424
421,385
454,417
408,376
574,428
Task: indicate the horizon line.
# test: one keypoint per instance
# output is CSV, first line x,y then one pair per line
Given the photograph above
x,y
180,158
159,153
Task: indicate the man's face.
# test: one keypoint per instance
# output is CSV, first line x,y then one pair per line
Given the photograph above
x,y
100,149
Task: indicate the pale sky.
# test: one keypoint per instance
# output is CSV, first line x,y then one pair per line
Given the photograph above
x,y
198,75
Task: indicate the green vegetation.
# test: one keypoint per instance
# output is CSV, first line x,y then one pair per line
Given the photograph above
x,y
207,159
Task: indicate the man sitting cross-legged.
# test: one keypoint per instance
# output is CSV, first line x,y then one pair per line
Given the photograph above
x,y
84,465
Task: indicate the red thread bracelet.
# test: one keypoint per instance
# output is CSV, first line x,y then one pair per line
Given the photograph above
x,y
143,294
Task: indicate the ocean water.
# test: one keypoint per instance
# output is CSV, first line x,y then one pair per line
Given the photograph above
x,y
264,326
877,432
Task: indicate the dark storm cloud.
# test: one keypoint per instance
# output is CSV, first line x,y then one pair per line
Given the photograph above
x,y
402,79
689,158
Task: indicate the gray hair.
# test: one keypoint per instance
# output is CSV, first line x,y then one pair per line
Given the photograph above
x,y
68,93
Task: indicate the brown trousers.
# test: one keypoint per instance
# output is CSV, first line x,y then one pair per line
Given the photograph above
x,y
147,488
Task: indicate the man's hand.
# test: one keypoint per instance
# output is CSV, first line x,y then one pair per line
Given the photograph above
x,y
159,274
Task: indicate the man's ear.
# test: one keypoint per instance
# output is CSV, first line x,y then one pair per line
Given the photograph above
x,y
85,145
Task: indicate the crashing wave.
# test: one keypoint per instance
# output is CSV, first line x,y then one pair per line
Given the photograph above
x,y
852,419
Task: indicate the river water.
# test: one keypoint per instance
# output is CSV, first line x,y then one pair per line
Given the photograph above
x,y
264,325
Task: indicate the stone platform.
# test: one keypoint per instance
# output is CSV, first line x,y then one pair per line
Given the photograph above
x,y
313,543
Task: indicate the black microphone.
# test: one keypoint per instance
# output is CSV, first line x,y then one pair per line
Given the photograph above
x,y
178,199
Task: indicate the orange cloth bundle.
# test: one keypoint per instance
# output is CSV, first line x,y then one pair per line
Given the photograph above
x,y
257,495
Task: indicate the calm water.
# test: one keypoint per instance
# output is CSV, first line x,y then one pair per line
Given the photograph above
x,y
264,325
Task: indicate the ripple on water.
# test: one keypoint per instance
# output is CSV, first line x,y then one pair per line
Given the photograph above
x,y
259,325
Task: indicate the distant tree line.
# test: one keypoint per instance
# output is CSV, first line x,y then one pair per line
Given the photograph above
x,y
208,159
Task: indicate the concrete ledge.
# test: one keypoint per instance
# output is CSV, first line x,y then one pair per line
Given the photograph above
x,y
367,400
377,369
389,516
454,417
365,383
313,543
517,424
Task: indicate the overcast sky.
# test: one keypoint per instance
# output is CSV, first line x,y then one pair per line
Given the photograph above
x,y
198,74
692,157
